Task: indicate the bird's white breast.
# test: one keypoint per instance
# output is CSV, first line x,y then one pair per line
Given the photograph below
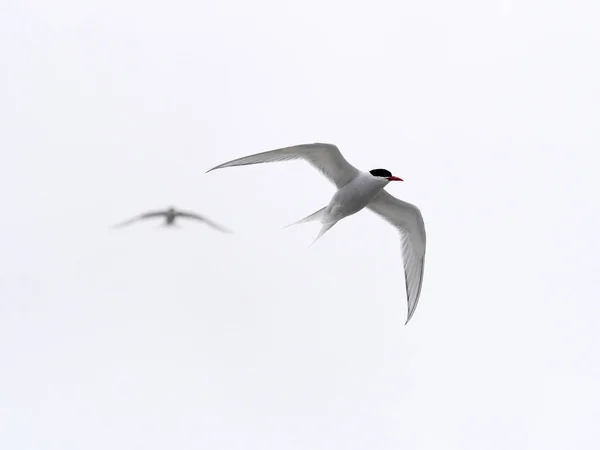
x,y
354,196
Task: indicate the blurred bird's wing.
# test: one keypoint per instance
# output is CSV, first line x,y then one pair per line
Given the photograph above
x,y
147,215
195,216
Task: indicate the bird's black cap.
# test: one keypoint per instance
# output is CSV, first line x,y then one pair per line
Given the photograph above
x,y
380,173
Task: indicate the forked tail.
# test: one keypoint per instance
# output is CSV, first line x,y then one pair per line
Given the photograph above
x,y
314,216
318,215
324,229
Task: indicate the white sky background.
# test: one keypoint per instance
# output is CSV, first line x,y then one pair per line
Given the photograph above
x,y
187,338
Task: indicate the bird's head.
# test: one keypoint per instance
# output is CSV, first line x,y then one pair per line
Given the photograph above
x,y
384,175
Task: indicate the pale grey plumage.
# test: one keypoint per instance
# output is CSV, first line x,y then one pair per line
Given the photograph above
x,y
357,190
327,158
412,229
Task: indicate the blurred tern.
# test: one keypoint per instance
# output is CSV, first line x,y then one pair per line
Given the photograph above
x,y
357,190
170,215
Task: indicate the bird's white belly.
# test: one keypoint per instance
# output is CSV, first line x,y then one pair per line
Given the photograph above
x,y
351,198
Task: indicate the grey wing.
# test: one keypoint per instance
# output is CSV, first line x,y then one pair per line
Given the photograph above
x,y
215,225
409,221
147,215
327,158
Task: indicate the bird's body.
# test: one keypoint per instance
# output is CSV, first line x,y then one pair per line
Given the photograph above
x,y
353,197
357,190
347,200
170,215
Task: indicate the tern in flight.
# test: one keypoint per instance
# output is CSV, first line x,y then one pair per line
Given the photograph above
x,y
357,190
170,215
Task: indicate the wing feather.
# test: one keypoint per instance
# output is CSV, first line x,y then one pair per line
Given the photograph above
x,y
326,158
408,220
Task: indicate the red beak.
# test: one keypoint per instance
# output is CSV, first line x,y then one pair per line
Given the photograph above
x,y
395,179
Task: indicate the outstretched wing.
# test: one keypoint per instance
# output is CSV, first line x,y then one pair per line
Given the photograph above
x,y
147,215
191,215
408,220
327,158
